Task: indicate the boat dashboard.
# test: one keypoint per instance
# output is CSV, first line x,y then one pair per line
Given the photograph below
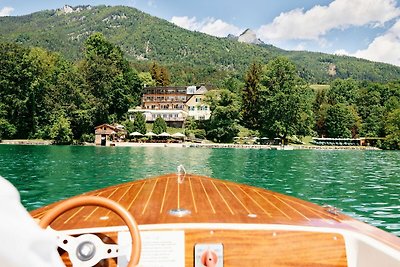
x,y
218,245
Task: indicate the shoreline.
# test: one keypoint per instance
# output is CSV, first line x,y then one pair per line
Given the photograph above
x,y
199,145
240,146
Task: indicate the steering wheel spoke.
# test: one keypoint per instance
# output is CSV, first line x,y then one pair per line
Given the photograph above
x,y
64,241
112,250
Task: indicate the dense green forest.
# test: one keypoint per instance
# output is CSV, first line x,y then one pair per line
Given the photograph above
x,y
61,74
276,102
44,95
190,57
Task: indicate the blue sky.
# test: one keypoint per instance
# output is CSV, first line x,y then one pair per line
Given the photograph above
x,y
363,28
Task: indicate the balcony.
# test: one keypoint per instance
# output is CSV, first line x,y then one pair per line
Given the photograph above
x,y
166,119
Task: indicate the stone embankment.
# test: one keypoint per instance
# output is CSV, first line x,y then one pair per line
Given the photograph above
x,y
203,145
26,142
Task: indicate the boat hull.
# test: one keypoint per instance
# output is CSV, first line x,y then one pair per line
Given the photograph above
x,y
248,225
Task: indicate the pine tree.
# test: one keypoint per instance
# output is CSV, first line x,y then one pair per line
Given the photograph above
x,y
155,72
164,76
251,97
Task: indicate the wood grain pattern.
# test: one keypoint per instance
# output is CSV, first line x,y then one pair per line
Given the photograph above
x,y
271,248
263,248
217,201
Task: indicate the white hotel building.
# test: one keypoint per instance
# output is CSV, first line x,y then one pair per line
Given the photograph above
x,y
174,104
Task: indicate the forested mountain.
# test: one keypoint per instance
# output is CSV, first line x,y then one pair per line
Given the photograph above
x,y
191,57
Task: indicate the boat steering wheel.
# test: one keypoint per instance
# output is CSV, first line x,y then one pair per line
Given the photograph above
x,y
89,249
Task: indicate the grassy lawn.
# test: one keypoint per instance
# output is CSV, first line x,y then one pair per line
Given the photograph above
x,y
170,130
307,140
319,87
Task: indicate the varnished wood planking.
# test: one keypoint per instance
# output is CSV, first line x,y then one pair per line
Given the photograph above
x,y
237,200
271,248
164,195
223,199
123,191
205,192
149,196
209,200
192,194
265,248
272,208
187,200
254,199
292,208
138,199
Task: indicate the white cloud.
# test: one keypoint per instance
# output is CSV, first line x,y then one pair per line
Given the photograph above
x,y
384,48
6,11
186,22
298,24
211,26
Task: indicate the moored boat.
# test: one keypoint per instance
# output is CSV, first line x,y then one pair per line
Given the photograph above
x,y
191,220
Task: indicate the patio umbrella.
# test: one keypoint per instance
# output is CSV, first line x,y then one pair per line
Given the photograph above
x,y
135,134
164,134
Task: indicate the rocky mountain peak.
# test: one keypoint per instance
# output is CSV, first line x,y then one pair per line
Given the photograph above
x,y
66,9
250,37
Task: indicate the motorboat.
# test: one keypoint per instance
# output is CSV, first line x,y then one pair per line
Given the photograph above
x,y
187,220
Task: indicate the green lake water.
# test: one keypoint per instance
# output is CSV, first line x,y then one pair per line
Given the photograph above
x,y
364,184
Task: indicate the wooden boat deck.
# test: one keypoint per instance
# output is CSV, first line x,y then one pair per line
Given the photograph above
x,y
211,201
